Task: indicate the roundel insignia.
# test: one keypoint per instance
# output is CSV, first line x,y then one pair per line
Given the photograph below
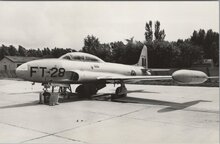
x,y
133,73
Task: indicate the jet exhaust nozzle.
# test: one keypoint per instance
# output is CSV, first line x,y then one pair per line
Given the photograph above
x,y
189,77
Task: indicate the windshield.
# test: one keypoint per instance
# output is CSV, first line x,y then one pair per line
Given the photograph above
x,y
78,56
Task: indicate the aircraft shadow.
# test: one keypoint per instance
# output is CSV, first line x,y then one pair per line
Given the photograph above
x,y
140,91
129,91
172,106
33,103
181,106
31,92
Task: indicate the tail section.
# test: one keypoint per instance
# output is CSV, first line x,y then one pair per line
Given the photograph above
x,y
143,60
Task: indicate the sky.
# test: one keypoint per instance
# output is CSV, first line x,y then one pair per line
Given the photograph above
x,y
65,24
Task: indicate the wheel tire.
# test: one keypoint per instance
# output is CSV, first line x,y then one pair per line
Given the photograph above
x,y
118,90
117,93
79,90
46,97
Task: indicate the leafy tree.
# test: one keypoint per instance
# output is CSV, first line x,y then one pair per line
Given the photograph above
x,y
132,51
32,53
198,37
187,54
149,31
46,52
118,51
160,54
130,41
93,46
211,45
12,51
126,53
105,52
22,51
159,34
39,53
4,51
57,52
209,42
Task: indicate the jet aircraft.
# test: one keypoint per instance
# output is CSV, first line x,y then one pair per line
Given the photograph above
x,y
92,73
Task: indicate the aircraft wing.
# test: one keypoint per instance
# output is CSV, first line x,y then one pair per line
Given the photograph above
x,y
157,70
180,76
114,77
135,78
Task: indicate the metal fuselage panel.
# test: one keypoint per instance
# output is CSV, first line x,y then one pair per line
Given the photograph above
x,y
59,70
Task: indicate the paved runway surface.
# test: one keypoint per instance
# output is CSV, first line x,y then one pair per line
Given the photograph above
x,y
150,114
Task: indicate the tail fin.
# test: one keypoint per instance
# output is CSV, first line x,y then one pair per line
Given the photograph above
x,y
143,60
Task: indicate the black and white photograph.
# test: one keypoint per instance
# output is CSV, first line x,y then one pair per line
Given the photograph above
x,y
109,72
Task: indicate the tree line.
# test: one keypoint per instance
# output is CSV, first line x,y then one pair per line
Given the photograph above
x,y
161,53
44,53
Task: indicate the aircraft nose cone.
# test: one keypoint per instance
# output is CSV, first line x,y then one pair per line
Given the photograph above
x,y
21,71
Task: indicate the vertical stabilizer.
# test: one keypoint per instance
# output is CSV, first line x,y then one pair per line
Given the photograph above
x,y
143,60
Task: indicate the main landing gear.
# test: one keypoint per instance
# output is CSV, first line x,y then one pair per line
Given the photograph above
x,y
87,90
120,91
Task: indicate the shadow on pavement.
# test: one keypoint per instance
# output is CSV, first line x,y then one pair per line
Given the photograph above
x,y
33,103
173,106
180,106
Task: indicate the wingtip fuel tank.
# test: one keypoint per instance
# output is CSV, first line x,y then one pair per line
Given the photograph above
x,y
189,76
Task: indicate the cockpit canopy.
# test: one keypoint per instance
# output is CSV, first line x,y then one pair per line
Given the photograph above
x,y
79,56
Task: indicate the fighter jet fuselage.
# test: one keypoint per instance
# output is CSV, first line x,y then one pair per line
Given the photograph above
x,y
58,70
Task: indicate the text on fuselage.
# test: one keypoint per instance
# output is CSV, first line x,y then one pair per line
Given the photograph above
x,y
53,72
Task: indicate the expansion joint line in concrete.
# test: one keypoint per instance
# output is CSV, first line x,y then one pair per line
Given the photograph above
x,y
131,112
35,138
23,127
55,134
46,134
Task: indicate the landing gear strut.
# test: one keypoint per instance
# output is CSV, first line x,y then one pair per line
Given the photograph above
x,y
53,97
120,91
63,91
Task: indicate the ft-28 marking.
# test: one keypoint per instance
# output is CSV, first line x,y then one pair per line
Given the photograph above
x,y
54,72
